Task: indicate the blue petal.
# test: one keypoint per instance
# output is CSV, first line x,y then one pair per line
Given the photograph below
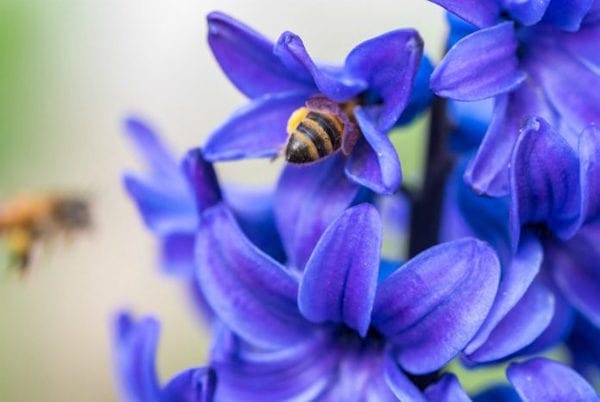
x,y
308,198
584,44
446,389
202,179
541,379
193,385
519,327
136,344
527,12
163,198
299,372
487,216
374,162
481,13
421,95
247,59
255,131
177,253
399,384
567,14
433,305
159,160
577,101
498,393
589,174
471,120
163,209
560,325
544,181
342,289
250,292
517,277
479,66
389,64
488,171
576,269
291,51
254,210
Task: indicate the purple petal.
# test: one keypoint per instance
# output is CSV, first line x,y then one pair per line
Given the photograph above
x,y
399,384
567,14
247,59
488,171
576,100
193,385
255,131
517,276
433,305
177,253
202,179
576,270
163,209
254,210
136,344
541,379
389,64
481,13
481,65
520,327
544,181
291,51
158,158
558,328
342,289
589,173
300,372
528,12
374,162
250,292
447,389
583,44
308,198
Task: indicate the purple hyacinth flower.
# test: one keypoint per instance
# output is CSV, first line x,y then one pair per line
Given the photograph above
x,y
335,331
535,58
368,94
526,305
172,194
533,380
136,343
165,198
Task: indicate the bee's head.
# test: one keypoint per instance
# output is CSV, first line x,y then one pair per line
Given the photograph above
x,y
73,213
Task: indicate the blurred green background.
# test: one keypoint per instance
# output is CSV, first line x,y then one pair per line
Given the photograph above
x,y
70,71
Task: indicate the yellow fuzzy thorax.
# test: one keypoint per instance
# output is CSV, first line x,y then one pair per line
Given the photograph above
x,y
296,118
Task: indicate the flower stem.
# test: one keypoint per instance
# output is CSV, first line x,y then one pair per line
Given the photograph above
x,y
427,207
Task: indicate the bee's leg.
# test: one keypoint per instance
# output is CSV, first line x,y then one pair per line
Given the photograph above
x,y
20,241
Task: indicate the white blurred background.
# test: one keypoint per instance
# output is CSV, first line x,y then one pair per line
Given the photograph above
x,y
69,72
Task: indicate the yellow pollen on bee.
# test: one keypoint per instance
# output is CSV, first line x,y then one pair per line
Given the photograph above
x,y
296,118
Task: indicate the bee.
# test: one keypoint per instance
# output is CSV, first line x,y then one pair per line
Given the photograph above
x,y
26,221
312,135
319,129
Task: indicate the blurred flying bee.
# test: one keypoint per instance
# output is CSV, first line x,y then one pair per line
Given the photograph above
x,y
27,221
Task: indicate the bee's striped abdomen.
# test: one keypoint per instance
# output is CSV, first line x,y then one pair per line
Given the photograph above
x,y
313,135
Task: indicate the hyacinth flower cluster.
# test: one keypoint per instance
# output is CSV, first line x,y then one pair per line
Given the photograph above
x,y
303,304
